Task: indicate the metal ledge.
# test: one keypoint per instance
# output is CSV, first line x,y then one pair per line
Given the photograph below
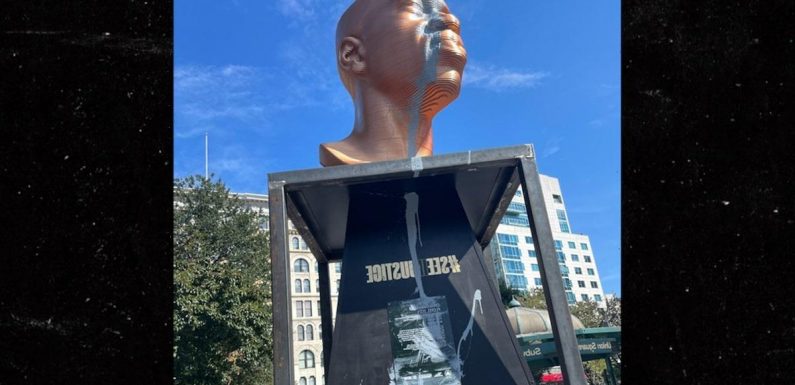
x,y
317,199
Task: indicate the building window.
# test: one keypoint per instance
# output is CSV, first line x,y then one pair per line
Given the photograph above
x,y
517,207
338,266
567,283
518,193
514,267
584,246
302,381
528,240
534,267
564,223
594,285
511,220
584,297
587,258
299,309
510,252
318,308
575,258
577,270
531,253
312,378
570,297
338,286
507,239
310,333
301,335
597,298
558,245
320,337
301,266
263,223
561,256
317,285
307,308
564,270
307,287
572,245
581,283
538,282
557,198
295,243
590,272
306,360
517,282
298,286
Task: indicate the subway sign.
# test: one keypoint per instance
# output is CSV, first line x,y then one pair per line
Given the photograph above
x,y
535,349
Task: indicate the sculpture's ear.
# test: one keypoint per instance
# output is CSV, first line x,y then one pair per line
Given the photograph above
x,y
351,55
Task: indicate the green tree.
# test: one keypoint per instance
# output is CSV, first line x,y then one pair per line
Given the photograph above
x,y
611,314
588,312
533,298
506,293
222,304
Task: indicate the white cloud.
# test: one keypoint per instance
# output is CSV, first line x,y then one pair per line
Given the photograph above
x,y
206,97
312,10
596,123
551,150
237,71
204,94
301,9
499,79
551,147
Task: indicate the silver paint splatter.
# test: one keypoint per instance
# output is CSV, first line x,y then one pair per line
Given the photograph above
x,y
458,364
413,230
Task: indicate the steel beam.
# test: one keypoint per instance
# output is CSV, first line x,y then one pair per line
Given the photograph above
x,y
393,169
551,279
326,323
280,285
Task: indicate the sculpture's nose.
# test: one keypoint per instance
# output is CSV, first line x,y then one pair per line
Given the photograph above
x,y
442,22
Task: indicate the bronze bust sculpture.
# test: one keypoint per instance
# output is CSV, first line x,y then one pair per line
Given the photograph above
x,y
402,62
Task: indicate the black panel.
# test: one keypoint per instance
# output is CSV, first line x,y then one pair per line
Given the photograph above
x,y
377,233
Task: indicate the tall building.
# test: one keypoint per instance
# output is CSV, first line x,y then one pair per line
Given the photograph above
x,y
512,249
515,257
307,342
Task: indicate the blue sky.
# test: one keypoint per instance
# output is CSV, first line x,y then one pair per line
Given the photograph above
x,y
260,77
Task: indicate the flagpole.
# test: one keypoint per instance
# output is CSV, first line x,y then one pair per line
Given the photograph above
x,y
206,156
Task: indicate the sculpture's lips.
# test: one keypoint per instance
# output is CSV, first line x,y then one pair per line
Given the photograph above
x,y
451,50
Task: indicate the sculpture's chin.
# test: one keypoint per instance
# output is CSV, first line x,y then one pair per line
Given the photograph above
x,y
441,91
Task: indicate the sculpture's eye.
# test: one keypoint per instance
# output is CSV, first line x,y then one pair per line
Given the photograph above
x,y
416,7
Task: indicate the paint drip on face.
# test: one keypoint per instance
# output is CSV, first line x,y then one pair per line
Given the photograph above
x,y
433,43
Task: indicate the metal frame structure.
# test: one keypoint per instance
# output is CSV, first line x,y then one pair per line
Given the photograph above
x,y
291,197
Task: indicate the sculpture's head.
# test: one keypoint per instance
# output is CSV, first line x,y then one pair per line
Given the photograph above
x,y
408,50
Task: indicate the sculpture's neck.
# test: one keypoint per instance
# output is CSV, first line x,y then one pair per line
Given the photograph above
x,y
379,120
